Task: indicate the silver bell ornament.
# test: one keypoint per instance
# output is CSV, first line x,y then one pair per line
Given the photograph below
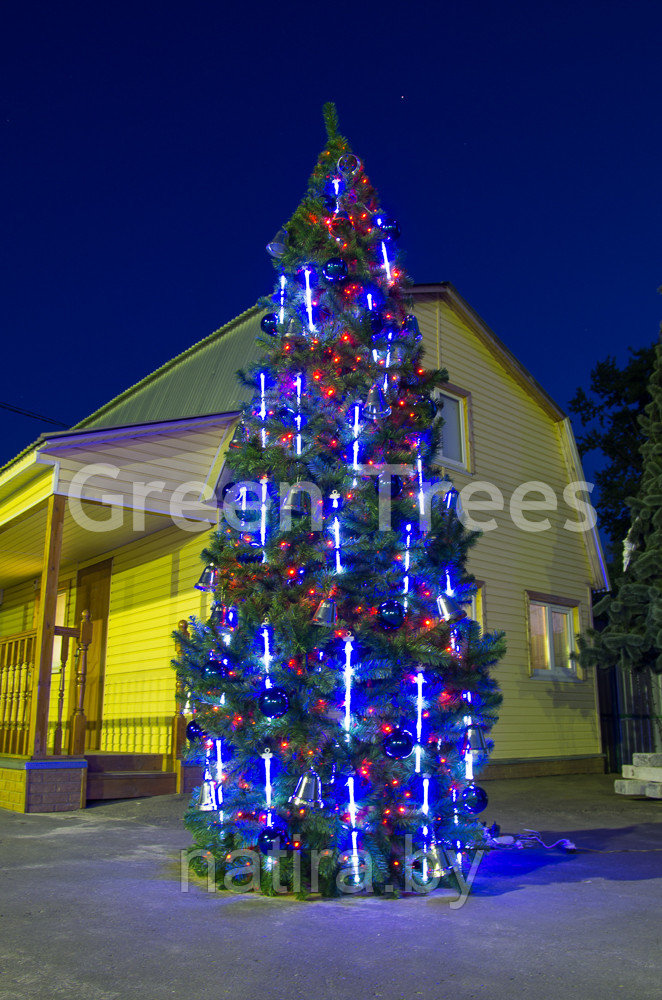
x,y
450,610
326,613
474,739
308,793
375,405
209,799
277,247
209,579
433,862
294,503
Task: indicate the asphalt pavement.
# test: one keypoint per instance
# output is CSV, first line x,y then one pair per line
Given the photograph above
x,y
92,908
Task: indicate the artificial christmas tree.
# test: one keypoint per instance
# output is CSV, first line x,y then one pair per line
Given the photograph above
x,y
341,696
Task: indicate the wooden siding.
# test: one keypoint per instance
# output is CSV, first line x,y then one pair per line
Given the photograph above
x,y
516,441
152,588
17,612
26,496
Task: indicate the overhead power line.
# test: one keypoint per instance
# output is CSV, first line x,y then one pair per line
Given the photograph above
x,y
29,413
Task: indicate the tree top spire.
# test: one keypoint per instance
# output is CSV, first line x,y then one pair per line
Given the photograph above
x,y
330,113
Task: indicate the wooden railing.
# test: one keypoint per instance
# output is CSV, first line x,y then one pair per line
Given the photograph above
x,y
17,654
17,663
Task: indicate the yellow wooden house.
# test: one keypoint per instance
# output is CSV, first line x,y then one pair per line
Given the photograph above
x,y
101,528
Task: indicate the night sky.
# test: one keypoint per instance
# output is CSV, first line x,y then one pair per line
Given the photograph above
x,y
151,150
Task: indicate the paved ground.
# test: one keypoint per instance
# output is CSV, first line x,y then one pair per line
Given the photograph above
x,y
91,909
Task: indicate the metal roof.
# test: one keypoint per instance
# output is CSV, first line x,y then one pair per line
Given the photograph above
x,y
200,381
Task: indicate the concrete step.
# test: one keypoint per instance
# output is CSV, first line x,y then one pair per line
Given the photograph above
x,y
630,786
647,759
624,787
642,773
129,784
99,761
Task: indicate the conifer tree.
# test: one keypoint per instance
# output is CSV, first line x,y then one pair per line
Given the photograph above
x,y
632,636
342,697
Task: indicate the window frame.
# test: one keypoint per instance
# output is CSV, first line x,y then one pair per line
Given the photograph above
x,y
463,397
61,618
568,607
477,608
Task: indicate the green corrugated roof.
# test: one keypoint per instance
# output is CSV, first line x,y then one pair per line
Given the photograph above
x,y
200,381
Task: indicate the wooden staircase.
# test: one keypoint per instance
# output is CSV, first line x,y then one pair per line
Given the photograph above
x,y
127,776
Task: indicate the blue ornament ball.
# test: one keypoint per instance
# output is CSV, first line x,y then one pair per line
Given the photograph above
x,y
194,731
376,322
335,269
217,666
395,486
391,614
269,324
474,799
389,228
269,837
273,702
398,744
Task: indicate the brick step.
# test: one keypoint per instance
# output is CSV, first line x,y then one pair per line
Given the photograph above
x,y
101,761
642,773
129,784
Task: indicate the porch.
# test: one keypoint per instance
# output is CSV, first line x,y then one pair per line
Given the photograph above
x,y
94,576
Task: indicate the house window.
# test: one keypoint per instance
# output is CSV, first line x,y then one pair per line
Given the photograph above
x,y
455,413
60,619
553,623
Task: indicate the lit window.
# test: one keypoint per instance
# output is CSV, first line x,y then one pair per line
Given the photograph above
x,y
454,411
60,619
552,629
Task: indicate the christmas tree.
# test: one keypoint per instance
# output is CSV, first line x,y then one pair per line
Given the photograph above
x,y
341,695
632,636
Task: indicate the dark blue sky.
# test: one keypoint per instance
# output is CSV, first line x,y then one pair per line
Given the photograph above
x,y
151,149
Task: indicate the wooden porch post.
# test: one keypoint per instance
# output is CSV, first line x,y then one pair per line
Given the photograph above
x,y
41,685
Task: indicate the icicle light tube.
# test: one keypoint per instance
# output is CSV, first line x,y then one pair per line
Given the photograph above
x,y
266,656
263,407
354,832
387,266
309,300
348,674
420,681
357,431
268,788
468,755
263,510
298,414
219,771
405,582
281,314
425,809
